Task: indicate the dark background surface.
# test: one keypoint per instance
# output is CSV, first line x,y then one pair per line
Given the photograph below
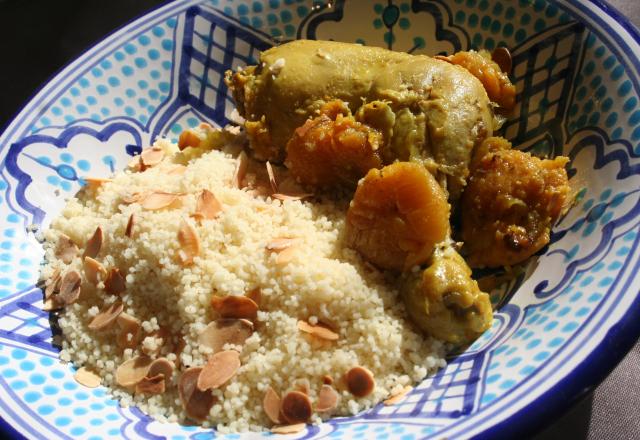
x,y
38,38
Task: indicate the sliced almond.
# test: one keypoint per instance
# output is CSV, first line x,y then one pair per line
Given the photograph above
x,y
115,283
196,403
272,178
283,197
302,385
327,380
52,285
96,182
134,163
70,287
225,331
164,367
286,255
51,304
271,404
231,306
133,371
296,407
130,224
189,243
360,381
92,248
327,399
151,156
133,197
177,170
280,244
318,331
208,205
106,316
159,200
151,385
130,330
255,295
66,249
94,271
289,429
241,170
397,397
87,378
219,369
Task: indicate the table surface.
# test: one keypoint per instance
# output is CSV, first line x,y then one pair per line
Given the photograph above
x,y
59,36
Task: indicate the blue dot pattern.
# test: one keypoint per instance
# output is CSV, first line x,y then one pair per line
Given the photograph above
x,y
116,76
134,82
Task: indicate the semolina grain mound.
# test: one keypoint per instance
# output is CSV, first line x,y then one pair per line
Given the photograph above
x,y
290,251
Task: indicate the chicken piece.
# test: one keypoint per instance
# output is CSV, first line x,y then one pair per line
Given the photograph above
x,y
444,301
439,111
397,215
333,149
495,81
509,206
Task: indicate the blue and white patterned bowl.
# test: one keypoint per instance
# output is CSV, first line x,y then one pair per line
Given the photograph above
x,y
559,330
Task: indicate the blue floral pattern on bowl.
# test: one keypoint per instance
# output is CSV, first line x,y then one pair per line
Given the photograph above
x,y
577,74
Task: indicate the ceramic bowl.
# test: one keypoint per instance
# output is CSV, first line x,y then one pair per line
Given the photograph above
x,y
559,328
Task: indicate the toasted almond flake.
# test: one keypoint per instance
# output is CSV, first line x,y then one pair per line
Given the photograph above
x,y
302,385
151,156
70,287
255,295
360,381
395,398
133,371
188,138
196,403
164,367
280,244
106,317
159,200
286,255
95,182
318,331
241,170
189,243
133,197
296,407
288,429
271,404
130,330
92,248
115,282
231,306
87,378
283,197
177,170
502,57
66,249
208,205
327,399
151,385
52,285
272,178
130,224
94,272
219,369
327,380
225,331
51,304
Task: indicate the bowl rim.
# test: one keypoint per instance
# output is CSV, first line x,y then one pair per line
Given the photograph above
x,y
550,405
